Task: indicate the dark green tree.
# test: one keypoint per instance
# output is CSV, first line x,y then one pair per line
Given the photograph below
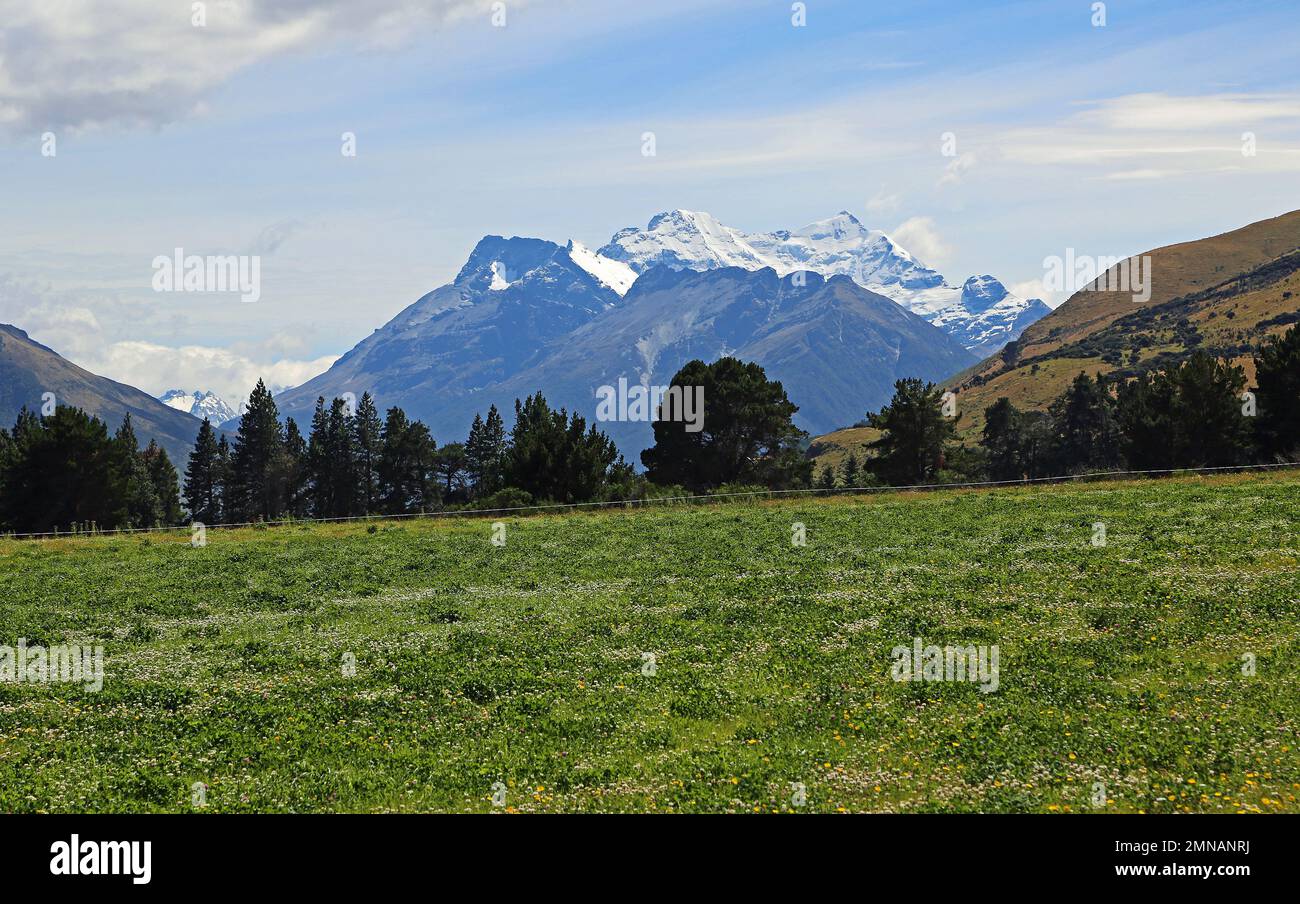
x,y
1144,410
748,433
223,478
1086,432
557,457
1003,440
292,470
367,440
485,453
162,476
143,507
1277,376
450,468
914,434
406,466
1209,427
253,489
203,477
64,470
331,456
826,480
851,474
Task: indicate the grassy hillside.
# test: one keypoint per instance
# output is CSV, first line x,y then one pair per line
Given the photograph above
x,y
525,664
29,369
834,448
1224,294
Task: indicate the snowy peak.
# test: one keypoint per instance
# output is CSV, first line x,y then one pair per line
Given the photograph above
x,y
199,404
691,240
837,246
612,274
683,240
981,293
497,262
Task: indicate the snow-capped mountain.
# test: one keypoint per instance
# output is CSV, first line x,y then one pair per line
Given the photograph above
x,y
836,347
512,297
200,404
981,314
526,315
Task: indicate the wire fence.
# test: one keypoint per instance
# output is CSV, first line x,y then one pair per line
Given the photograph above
x,y
662,500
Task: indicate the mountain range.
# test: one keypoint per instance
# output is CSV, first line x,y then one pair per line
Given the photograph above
x,y
981,314
835,311
199,404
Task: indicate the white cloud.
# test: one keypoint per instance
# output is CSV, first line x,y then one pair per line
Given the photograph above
x,y
956,169
79,63
919,236
64,321
157,368
1158,136
1185,113
882,203
270,239
1034,288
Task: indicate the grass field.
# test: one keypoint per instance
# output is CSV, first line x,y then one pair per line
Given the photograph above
x,y
525,664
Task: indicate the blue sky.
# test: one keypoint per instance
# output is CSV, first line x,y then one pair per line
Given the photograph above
x,y
226,138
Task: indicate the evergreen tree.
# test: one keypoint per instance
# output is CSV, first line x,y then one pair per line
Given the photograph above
x,y
367,442
406,466
1187,417
142,504
1017,444
162,477
1277,376
1209,428
332,460
826,480
1144,409
318,461
8,454
485,452
1037,443
63,470
294,471
253,490
223,480
450,467
1003,441
851,473
1087,435
555,456
203,477
747,435
914,434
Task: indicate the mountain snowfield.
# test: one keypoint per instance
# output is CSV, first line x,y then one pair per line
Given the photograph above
x,y
981,314
199,404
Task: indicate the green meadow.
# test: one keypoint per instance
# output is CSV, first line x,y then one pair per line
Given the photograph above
x,y
679,659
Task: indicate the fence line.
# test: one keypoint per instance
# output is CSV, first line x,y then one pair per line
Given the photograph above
x,y
632,503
